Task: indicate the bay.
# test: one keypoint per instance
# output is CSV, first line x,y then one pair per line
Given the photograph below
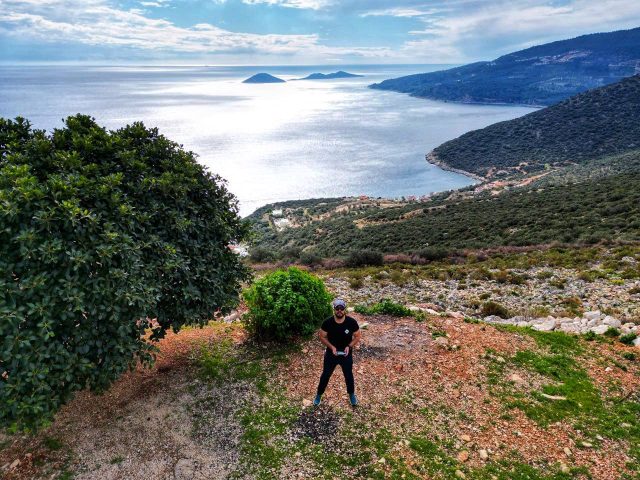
x,y
271,142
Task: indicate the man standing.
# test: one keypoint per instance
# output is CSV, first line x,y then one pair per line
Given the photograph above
x,y
340,333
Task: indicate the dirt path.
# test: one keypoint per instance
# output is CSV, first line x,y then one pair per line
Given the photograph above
x,y
413,378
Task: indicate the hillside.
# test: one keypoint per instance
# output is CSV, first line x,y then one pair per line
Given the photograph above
x,y
540,75
593,207
441,397
263,78
330,76
590,125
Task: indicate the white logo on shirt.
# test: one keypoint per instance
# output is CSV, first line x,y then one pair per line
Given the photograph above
x,y
347,331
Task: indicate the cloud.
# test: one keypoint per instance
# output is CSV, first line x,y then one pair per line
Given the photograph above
x,y
96,23
305,4
478,30
441,31
400,12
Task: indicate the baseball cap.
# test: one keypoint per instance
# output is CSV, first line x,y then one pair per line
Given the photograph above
x,y
338,302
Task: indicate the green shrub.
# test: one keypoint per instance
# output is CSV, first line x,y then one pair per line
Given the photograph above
x,y
286,304
591,275
290,253
544,274
628,338
101,231
629,356
310,259
361,258
493,308
432,253
573,305
384,307
612,332
261,255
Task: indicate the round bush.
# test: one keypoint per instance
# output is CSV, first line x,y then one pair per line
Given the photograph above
x,y
101,231
286,304
493,308
362,258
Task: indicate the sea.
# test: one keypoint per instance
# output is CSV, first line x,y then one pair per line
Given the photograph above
x,y
270,142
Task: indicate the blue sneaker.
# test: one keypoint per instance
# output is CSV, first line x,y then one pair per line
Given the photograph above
x,y
353,399
317,400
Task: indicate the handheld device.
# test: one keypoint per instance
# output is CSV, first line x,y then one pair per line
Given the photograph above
x,y
340,353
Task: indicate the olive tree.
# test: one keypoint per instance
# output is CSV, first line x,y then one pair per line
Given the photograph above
x,y
107,240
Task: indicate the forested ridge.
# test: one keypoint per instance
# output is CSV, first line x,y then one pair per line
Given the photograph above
x,y
591,125
580,204
540,75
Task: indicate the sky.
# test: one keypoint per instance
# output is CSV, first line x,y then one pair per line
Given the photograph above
x,y
283,32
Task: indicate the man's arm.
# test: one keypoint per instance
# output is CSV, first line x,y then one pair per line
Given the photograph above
x,y
354,341
323,336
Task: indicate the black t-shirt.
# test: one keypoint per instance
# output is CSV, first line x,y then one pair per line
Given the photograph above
x,y
340,334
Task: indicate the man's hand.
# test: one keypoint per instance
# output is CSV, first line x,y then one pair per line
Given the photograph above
x,y
334,350
346,350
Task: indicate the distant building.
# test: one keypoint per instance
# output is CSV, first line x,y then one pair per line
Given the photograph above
x,y
281,223
276,213
239,249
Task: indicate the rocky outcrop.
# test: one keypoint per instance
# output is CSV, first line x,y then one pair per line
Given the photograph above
x,y
593,321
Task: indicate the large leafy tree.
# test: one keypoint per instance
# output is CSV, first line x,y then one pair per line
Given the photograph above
x,y
107,240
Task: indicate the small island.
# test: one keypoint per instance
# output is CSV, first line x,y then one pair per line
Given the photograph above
x,y
263,78
329,76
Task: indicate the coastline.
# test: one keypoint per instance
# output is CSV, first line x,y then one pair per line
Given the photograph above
x,y
534,106
433,159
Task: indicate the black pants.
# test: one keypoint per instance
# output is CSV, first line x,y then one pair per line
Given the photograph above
x,y
330,363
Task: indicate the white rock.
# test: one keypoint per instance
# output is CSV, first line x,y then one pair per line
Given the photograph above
x,y
636,342
459,474
494,319
441,342
592,323
570,327
431,311
546,326
458,315
413,308
523,324
599,329
594,315
567,451
484,455
539,320
612,322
